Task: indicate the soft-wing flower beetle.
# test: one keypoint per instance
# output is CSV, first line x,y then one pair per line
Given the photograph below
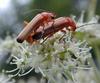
x,y
58,25
39,20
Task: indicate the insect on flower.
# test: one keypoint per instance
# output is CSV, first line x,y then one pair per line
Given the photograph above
x,y
39,20
58,25
37,28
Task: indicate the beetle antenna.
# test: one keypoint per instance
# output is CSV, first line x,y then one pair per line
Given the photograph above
x,y
87,24
40,10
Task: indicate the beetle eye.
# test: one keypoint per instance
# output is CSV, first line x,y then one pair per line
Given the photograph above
x,y
52,17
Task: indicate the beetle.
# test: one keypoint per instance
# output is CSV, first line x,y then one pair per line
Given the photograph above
x,y
39,20
58,25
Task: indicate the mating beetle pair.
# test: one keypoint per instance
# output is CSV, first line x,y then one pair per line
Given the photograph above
x,y
44,25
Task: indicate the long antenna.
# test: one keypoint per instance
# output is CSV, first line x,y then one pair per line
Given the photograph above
x,y
87,24
34,11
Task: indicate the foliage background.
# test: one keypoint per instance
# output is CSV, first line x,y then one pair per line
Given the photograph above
x,y
12,17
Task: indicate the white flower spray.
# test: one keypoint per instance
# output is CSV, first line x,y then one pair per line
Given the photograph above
x,y
56,59
6,79
59,60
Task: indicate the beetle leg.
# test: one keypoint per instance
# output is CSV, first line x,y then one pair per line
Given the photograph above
x,y
46,38
62,35
25,23
63,31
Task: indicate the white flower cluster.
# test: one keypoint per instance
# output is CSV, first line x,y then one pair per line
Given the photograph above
x,y
92,26
59,59
56,59
7,44
6,79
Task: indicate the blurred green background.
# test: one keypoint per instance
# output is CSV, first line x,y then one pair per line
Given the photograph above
x,y
14,12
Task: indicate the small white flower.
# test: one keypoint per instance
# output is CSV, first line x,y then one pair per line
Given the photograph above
x,y
22,59
91,26
6,79
51,58
81,76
